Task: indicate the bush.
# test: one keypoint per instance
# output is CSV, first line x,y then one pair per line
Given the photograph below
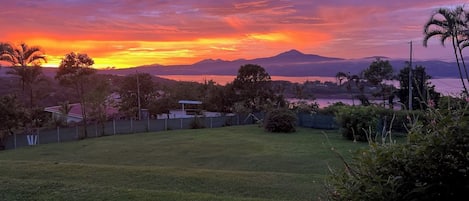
x,y
196,123
432,165
362,122
280,120
357,123
398,120
331,109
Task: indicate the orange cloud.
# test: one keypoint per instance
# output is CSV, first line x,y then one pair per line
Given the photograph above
x,y
122,54
132,33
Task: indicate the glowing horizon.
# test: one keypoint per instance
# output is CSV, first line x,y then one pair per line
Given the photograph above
x,y
128,34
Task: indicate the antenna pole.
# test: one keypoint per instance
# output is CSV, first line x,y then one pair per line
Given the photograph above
x,y
410,78
138,97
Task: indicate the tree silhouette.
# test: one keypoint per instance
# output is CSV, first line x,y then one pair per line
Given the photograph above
x,y
449,24
422,90
64,109
129,90
379,71
26,61
74,71
340,76
253,87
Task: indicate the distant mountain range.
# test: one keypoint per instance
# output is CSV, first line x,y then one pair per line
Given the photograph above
x,y
291,63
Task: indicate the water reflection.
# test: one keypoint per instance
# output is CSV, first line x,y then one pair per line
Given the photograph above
x,y
446,86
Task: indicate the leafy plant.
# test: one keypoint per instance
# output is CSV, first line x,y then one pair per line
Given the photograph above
x,y
280,120
432,165
357,122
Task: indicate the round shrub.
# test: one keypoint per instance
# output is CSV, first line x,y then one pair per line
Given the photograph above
x,y
280,121
357,123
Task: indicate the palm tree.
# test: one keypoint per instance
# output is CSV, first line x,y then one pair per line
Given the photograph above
x,y
447,24
340,76
25,61
23,55
463,39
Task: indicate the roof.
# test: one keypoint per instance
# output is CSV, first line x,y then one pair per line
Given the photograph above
x,y
191,102
75,111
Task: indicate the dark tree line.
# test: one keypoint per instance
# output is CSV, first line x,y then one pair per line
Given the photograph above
x,y
251,91
380,71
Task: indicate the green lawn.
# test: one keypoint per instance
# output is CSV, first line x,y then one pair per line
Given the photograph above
x,y
230,163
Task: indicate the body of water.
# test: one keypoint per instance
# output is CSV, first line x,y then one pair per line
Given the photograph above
x,y
446,86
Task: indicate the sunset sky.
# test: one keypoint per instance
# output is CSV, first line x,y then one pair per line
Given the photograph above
x,y
129,33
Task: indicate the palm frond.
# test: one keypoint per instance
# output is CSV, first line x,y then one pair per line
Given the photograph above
x,y
443,35
435,23
464,44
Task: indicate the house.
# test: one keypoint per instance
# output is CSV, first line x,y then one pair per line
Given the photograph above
x,y
187,111
75,114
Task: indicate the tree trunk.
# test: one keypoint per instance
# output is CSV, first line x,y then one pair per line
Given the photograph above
x,y
31,96
81,95
459,66
463,63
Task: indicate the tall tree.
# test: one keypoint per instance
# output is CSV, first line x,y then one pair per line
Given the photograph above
x,y
351,81
253,87
26,61
423,92
379,71
12,114
74,71
98,101
448,24
135,87
213,98
30,78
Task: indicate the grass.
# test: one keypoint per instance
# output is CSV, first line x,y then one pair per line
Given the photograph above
x,y
230,163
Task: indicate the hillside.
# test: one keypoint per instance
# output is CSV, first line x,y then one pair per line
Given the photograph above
x,y
291,63
229,163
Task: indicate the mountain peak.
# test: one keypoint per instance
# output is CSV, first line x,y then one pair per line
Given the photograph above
x,y
291,52
209,61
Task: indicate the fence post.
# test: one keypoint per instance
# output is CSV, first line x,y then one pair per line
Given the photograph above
x,y
14,139
131,125
181,123
114,126
148,124
237,118
37,133
211,122
58,134
166,124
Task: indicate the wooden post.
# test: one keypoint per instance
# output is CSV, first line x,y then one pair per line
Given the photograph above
x,y
58,134
148,124
114,126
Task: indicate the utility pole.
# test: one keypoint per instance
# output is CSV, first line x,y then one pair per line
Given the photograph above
x,y
138,97
410,78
